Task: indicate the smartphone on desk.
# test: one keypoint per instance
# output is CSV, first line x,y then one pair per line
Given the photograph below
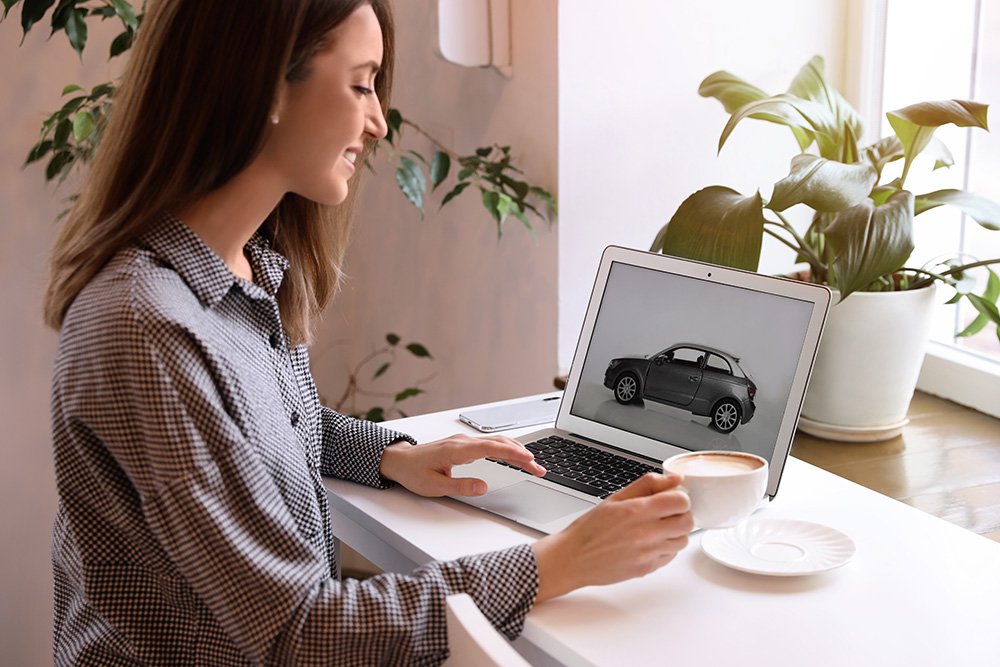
x,y
512,415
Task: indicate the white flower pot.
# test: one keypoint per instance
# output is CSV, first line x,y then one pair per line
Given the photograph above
x,y
867,366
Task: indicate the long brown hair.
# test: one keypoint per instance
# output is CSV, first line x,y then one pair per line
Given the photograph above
x,y
191,113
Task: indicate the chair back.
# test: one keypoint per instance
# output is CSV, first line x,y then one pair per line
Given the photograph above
x,y
473,641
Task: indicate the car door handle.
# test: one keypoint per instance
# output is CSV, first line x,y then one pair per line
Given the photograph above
x,y
693,378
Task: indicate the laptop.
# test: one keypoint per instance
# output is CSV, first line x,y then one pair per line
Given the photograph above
x,y
674,356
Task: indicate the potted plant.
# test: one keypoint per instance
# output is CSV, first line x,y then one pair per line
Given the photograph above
x,y
858,243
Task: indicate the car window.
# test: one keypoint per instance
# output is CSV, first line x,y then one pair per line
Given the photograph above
x,y
687,356
717,363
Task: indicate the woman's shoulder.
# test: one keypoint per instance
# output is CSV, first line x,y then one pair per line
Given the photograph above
x,y
134,290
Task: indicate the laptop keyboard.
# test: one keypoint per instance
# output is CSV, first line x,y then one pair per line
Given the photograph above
x,y
587,469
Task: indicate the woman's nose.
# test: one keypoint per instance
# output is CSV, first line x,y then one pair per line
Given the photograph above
x,y
376,125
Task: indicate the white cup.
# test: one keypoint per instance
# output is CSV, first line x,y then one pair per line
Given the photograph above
x,y
725,487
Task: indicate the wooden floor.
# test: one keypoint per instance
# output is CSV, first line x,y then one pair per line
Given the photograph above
x,y
946,462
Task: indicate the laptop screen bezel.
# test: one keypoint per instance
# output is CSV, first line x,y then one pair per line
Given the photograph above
x,y
817,295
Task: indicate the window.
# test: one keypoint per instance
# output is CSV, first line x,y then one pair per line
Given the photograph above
x,y
924,50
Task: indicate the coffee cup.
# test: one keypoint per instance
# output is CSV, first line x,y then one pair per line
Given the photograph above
x,y
725,487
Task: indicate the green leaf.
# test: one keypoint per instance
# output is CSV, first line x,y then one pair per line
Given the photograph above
x,y
984,211
61,136
870,241
381,370
985,308
76,30
505,205
519,214
70,106
491,200
392,339
440,164
32,12
418,350
57,164
484,151
882,152
520,188
71,88
7,4
38,152
465,173
121,43
408,393
989,297
62,14
375,415
716,225
842,121
126,13
731,90
394,123
544,196
823,185
940,152
411,181
83,125
102,89
802,116
420,157
457,190
916,124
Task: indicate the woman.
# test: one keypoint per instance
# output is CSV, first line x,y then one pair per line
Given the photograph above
x,y
189,440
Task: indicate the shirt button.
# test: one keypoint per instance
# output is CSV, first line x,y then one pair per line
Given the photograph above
x,y
275,340
295,419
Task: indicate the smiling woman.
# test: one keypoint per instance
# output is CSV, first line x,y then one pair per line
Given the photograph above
x,y
189,439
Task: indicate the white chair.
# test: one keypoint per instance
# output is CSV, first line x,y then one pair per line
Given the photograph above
x,y
473,641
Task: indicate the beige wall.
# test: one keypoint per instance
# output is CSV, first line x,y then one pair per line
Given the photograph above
x,y
31,79
485,309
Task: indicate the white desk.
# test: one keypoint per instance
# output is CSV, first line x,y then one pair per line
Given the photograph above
x,y
919,591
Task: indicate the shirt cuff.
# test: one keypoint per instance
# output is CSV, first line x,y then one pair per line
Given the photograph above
x,y
352,448
504,585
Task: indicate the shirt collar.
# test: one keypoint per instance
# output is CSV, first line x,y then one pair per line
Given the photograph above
x,y
203,270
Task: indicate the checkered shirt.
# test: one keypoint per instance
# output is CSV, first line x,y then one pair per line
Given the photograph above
x,y
193,526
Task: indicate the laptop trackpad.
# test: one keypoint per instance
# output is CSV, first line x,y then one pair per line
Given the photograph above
x,y
531,501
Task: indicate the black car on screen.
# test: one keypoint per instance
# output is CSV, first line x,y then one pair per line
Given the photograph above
x,y
702,380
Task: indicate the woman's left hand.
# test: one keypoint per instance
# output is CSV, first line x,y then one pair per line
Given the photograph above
x,y
426,468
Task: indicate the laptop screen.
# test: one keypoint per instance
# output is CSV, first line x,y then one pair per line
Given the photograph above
x,y
695,362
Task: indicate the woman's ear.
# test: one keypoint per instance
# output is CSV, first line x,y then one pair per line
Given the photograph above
x,y
279,102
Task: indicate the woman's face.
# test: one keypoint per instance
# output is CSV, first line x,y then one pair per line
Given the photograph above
x,y
323,122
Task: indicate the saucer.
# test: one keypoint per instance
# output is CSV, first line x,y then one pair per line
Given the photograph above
x,y
779,547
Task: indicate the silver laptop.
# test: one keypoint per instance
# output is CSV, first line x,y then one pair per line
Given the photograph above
x,y
674,356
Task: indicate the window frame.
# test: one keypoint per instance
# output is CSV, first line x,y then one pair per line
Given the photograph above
x,y
949,371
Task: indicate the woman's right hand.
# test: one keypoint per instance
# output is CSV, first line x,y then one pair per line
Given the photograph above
x,y
633,532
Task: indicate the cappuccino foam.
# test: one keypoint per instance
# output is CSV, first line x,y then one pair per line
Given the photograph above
x,y
714,465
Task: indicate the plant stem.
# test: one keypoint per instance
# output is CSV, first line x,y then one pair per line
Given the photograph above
x,y
943,276
441,147
803,248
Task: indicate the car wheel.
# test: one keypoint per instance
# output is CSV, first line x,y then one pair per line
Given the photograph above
x,y
626,389
726,415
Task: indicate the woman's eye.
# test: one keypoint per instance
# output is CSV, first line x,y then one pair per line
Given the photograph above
x,y
363,90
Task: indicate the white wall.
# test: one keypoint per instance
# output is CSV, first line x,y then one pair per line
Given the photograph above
x,y
635,138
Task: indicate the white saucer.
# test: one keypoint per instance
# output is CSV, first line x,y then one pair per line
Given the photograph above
x,y
779,547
